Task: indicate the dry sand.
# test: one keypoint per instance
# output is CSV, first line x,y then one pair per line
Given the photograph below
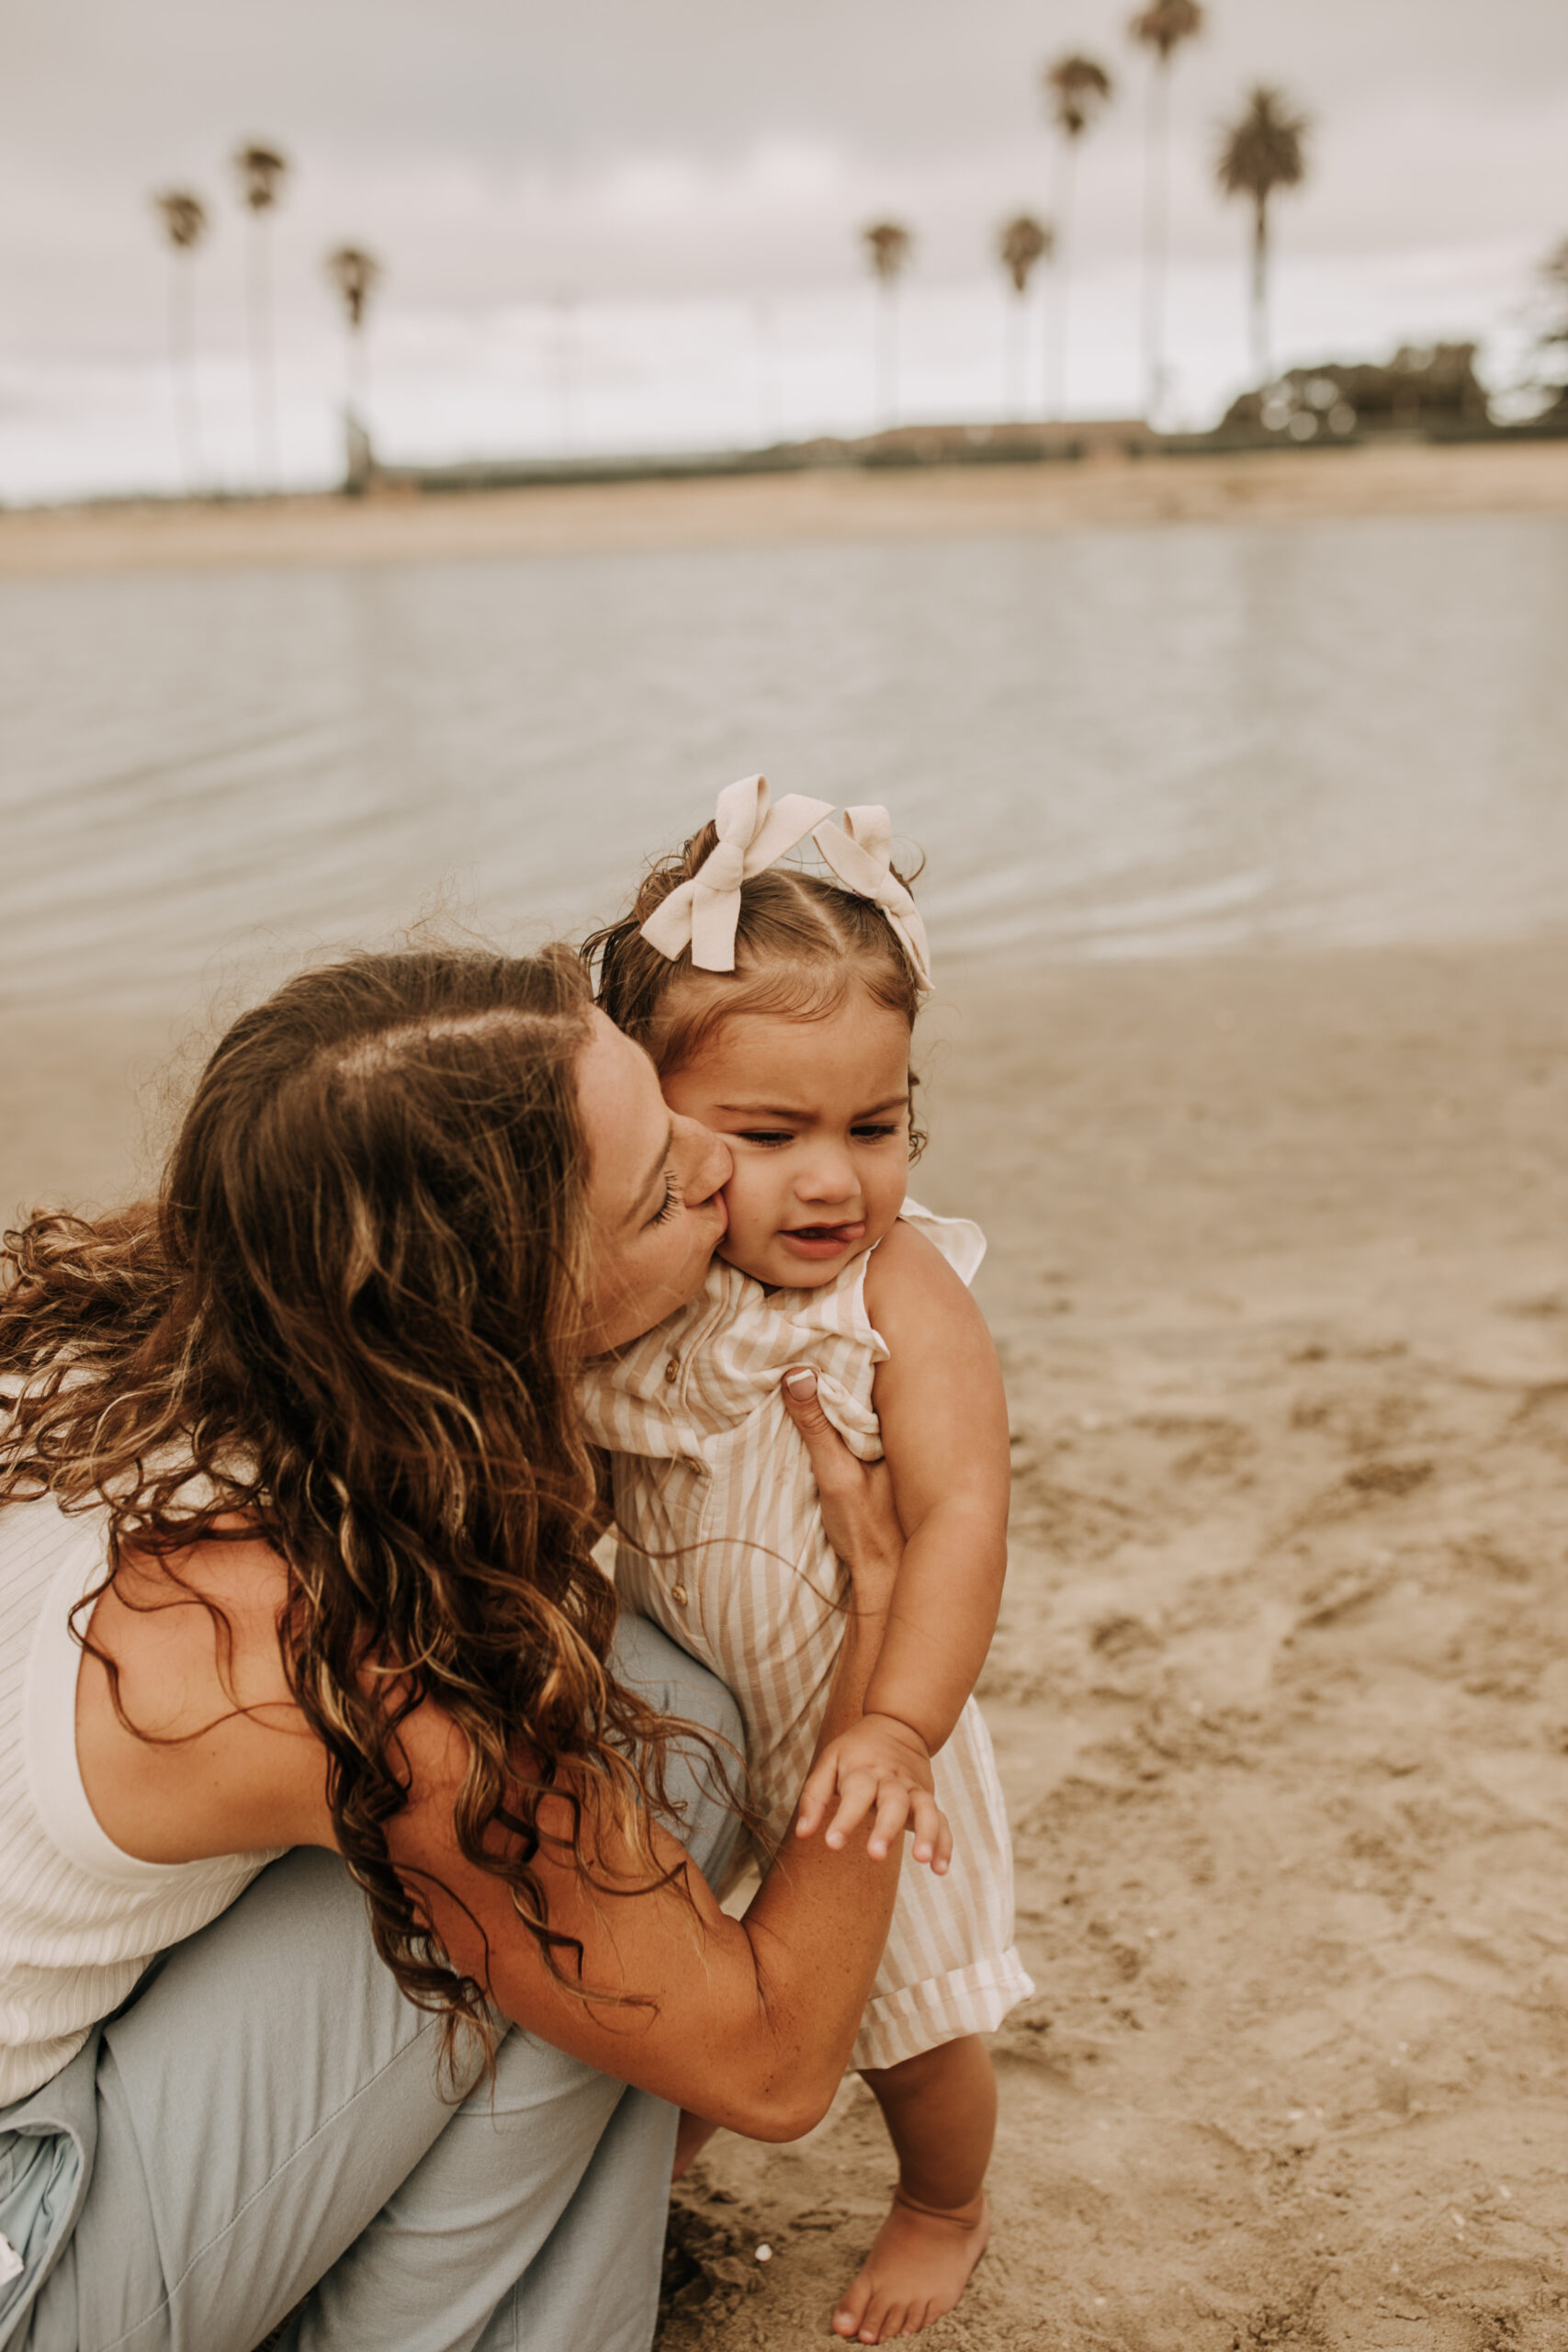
x,y
1280,1270
767,509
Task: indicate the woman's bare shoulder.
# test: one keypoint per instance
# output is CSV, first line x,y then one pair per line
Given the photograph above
x,y
207,1752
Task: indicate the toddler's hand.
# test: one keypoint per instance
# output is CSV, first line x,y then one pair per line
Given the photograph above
x,y
879,1767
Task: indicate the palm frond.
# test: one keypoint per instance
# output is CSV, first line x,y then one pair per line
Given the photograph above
x,y
1166,25
1264,149
184,216
888,247
261,170
356,274
1021,242
1078,87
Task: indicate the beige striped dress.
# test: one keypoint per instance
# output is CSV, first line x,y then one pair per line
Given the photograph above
x,y
722,1544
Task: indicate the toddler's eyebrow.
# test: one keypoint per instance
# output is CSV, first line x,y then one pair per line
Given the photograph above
x,y
796,1110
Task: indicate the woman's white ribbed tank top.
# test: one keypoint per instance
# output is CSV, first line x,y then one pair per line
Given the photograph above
x,y
79,1920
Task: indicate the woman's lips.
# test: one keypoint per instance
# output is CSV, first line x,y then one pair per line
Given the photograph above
x,y
823,1241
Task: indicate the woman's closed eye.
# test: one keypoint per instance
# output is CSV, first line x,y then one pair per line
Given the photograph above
x,y
671,1200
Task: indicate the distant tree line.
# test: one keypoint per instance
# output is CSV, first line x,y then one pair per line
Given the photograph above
x,y
1261,151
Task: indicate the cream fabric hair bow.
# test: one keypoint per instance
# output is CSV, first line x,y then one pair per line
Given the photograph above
x,y
859,851
702,914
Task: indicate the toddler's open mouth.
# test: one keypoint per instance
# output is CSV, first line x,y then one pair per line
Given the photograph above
x,y
824,1240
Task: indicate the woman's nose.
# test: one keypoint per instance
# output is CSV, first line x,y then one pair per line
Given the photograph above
x,y
705,1159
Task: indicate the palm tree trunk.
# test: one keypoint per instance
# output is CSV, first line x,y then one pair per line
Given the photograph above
x,y
886,354
768,403
1016,357
264,393
1156,217
1057,342
562,346
1260,358
359,373
182,368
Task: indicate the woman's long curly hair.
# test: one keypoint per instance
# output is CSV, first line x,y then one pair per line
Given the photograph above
x,y
802,942
351,1319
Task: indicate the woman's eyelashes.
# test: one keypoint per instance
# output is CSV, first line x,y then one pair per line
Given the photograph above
x,y
672,1201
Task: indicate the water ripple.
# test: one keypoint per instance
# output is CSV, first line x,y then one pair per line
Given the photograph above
x,y
1119,743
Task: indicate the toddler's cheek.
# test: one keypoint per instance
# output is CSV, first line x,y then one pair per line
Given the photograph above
x,y
745,1202
749,1244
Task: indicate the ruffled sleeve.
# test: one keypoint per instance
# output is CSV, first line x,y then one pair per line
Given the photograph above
x,y
962,1243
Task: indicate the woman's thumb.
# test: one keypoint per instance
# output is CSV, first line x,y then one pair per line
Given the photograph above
x,y
803,1404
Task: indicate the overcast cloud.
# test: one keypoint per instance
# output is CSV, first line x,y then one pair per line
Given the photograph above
x,y
671,167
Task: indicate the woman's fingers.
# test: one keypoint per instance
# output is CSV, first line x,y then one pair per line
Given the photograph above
x,y
856,1497
836,1469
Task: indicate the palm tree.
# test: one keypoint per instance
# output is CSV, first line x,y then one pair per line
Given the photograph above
x,y
185,225
1263,150
1076,88
356,274
1161,27
1021,242
261,172
888,247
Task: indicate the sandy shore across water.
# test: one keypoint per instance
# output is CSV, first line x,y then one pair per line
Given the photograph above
x,y
1280,1270
971,500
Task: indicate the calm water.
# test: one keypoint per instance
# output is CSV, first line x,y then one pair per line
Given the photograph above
x,y
1108,744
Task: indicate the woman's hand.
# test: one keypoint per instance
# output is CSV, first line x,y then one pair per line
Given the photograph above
x,y
856,1498
878,1767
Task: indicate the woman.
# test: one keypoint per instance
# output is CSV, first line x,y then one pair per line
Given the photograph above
x,y
301,1443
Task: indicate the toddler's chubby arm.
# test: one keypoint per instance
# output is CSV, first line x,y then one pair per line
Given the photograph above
x,y
944,1430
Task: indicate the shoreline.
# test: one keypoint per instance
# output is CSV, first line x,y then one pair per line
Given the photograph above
x,y
838,504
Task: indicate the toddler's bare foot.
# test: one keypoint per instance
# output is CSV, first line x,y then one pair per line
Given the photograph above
x,y
916,2270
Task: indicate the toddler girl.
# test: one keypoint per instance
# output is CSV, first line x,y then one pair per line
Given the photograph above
x,y
777,1006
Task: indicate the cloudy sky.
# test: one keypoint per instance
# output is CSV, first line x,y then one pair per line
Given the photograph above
x,y
631,224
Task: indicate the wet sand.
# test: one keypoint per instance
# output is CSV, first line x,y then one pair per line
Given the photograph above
x,y
1273,486
1280,1270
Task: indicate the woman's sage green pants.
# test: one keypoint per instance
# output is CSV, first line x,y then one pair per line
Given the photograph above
x,y
263,2127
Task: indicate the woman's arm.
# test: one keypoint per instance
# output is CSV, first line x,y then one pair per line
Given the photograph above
x,y
749,2023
